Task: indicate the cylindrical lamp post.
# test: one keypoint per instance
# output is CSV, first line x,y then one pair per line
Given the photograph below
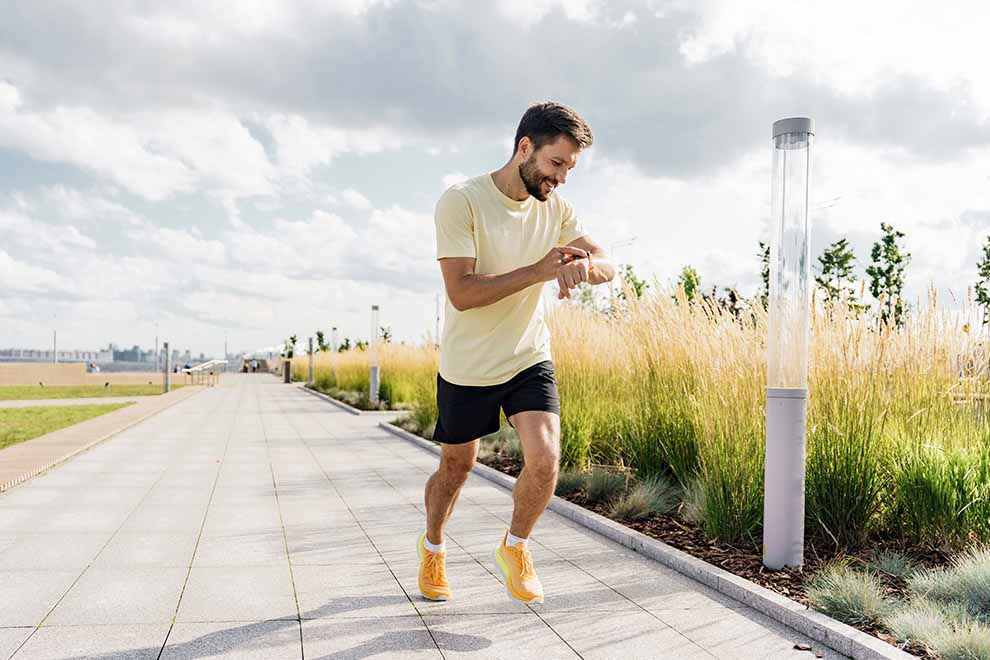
x,y
373,358
309,376
167,376
787,344
334,348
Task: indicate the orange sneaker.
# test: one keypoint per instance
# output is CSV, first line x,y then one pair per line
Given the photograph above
x,y
432,572
516,564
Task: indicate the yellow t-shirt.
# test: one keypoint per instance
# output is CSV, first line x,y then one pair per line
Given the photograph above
x,y
489,345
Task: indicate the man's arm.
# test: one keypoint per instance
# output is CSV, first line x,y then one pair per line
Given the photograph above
x,y
604,269
580,270
468,290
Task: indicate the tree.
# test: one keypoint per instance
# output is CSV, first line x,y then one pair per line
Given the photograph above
x,y
837,279
586,295
765,273
386,334
321,342
637,285
983,284
289,348
690,281
360,345
345,346
886,274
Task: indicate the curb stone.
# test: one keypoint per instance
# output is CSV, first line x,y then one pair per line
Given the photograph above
x,y
838,636
351,409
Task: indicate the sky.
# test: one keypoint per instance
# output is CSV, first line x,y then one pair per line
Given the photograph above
x,y
257,169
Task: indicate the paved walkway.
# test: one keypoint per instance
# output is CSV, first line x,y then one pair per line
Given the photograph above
x,y
256,521
85,401
26,459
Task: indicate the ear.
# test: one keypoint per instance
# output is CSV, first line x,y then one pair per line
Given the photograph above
x,y
525,147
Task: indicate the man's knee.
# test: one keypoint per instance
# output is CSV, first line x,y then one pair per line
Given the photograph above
x,y
544,463
455,466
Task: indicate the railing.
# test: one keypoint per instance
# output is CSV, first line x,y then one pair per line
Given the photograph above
x,y
207,373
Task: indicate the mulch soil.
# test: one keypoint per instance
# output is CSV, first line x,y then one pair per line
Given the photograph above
x,y
747,561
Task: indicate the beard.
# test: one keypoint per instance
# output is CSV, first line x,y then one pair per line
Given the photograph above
x,y
533,179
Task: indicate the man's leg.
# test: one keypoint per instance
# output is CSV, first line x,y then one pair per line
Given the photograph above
x,y
443,487
539,433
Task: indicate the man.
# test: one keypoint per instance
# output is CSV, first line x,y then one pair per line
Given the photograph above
x,y
500,237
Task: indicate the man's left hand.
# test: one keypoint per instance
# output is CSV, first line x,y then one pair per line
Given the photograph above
x,y
570,275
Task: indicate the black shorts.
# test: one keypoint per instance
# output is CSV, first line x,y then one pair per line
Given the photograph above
x,y
469,412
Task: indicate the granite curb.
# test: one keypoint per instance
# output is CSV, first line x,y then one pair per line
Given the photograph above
x,y
351,409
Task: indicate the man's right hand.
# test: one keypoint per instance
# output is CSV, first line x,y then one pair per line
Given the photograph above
x,y
547,267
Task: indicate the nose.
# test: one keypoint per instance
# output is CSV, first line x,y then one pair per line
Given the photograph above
x,y
561,177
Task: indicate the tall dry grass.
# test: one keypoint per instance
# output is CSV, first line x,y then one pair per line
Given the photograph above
x,y
677,390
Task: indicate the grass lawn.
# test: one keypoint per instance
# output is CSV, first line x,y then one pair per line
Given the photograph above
x,y
28,392
20,424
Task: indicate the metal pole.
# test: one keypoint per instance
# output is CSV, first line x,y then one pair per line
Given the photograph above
x,y
55,346
374,375
310,378
157,361
788,340
167,380
334,349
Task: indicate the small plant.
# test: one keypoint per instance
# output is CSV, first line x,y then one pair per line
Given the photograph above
x,y
966,582
970,642
569,482
894,564
694,502
650,497
849,596
925,623
604,486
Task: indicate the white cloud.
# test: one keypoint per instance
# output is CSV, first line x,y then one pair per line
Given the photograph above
x,y
302,145
853,46
355,199
18,276
84,138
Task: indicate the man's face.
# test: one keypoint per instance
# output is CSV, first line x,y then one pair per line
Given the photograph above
x,y
543,169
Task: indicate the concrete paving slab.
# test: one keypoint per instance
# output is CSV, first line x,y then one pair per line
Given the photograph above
x,y
121,595
253,593
52,551
136,549
27,596
242,549
396,638
256,640
498,637
113,642
639,636
12,638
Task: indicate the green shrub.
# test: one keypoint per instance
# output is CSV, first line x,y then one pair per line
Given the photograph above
x,y
849,596
970,642
892,563
569,482
603,486
925,623
647,498
966,583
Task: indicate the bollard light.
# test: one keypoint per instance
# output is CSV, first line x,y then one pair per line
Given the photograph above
x,y
334,348
167,380
309,378
787,343
373,357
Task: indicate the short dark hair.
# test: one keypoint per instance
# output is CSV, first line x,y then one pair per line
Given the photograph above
x,y
543,123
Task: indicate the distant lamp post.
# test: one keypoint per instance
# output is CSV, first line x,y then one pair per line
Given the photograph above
x,y
373,357
787,344
309,376
334,349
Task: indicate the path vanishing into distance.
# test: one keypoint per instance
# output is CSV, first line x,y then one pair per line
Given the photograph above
x,y
255,521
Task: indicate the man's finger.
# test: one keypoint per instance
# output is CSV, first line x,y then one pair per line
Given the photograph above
x,y
573,251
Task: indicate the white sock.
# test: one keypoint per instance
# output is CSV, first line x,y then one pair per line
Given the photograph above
x,y
510,541
434,548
